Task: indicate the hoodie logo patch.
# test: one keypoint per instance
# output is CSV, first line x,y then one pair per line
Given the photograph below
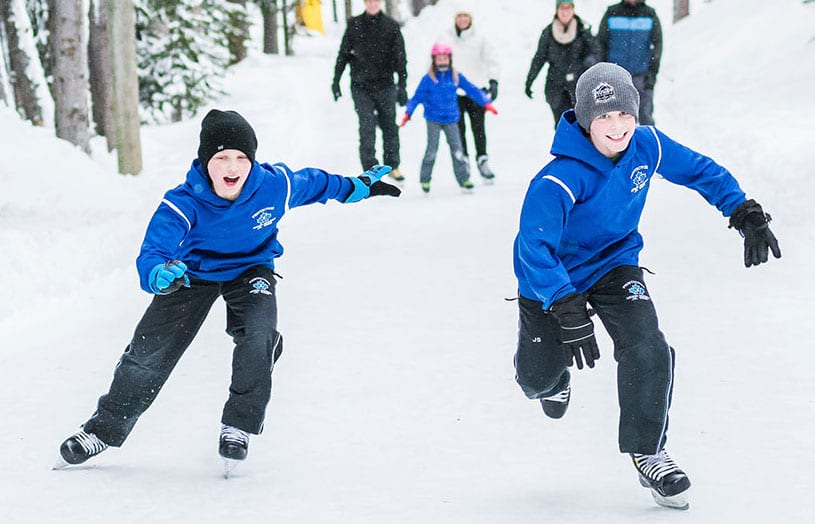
x,y
260,286
636,290
603,93
639,178
264,218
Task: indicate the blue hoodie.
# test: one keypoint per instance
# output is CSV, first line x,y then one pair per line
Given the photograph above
x,y
440,99
581,212
218,239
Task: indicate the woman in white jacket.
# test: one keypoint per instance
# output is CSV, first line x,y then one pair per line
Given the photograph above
x,y
475,56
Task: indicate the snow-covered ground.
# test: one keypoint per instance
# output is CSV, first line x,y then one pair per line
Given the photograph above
x,y
395,399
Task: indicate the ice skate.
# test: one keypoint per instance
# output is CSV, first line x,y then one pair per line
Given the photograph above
x,y
78,448
668,484
425,187
233,446
555,406
467,187
484,169
396,175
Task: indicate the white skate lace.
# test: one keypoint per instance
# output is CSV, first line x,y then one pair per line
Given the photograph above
x,y
233,434
654,467
561,396
90,443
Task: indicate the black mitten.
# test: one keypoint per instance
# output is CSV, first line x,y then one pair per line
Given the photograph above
x,y
752,223
576,330
493,89
401,95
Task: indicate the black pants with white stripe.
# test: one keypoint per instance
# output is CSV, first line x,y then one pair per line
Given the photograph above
x,y
167,329
645,361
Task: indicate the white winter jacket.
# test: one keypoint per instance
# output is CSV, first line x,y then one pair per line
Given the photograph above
x,y
474,56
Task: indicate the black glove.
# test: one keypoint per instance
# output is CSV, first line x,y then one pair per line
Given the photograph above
x,y
576,329
401,96
528,91
335,90
753,224
368,184
650,80
493,89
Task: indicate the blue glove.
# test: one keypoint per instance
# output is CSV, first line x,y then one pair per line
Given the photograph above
x,y
369,184
168,278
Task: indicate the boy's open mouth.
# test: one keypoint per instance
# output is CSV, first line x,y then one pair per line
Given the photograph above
x,y
231,181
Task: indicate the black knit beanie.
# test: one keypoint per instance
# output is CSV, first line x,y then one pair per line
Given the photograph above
x,y
225,130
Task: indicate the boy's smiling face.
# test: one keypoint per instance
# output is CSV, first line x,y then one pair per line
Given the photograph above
x,y
228,170
611,132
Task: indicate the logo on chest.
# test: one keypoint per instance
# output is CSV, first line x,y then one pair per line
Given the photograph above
x,y
639,178
264,218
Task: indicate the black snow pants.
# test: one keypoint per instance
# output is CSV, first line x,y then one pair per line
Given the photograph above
x,y
468,106
167,329
376,106
645,361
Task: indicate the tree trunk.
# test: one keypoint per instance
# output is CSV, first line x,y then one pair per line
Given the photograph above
x,y
681,10
99,67
239,35
70,72
418,5
126,119
392,8
28,87
269,10
288,30
348,11
334,10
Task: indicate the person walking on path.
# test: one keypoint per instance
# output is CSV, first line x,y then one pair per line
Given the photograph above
x,y
474,54
578,248
630,35
567,46
437,92
214,236
375,49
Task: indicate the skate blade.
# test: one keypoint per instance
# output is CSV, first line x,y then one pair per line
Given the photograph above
x,y
678,501
488,181
60,464
229,466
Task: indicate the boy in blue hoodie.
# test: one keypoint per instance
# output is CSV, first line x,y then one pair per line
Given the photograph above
x,y
437,91
578,245
214,235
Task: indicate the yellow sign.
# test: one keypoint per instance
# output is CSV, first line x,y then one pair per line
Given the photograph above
x,y
312,14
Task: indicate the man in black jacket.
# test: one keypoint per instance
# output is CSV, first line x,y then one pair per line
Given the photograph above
x,y
374,46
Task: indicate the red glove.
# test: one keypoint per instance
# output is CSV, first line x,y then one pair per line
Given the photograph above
x,y
404,120
491,108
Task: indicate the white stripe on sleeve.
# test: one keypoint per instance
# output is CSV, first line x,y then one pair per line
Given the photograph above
x,y
561,184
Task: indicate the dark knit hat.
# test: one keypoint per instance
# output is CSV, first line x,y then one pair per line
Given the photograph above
x,y
603,88
225,130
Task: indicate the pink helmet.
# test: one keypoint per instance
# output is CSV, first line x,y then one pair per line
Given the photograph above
x,y
441,48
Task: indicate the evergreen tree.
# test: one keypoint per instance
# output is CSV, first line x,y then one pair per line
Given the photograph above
x,y
183,53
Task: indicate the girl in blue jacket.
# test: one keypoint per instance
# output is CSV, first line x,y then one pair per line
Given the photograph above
x,y
578,245
214,235
437,91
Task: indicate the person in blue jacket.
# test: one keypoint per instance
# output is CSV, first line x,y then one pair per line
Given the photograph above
x,y
630,35
214,235
578,245
437,91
